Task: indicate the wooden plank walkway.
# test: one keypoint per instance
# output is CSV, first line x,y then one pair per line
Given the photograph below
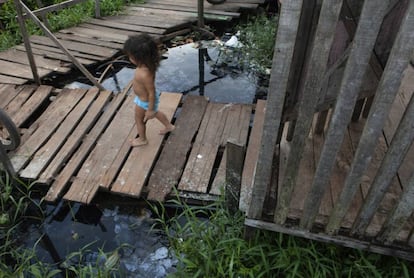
x,y
77,143
99,40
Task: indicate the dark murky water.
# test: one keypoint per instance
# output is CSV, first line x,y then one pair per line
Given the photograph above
x,y
109,226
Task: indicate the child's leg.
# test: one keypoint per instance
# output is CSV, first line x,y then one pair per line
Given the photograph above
x,y
163,119
139,121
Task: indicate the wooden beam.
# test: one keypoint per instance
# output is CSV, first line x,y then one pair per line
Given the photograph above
x,y
324,37
282,58
386,92
364,40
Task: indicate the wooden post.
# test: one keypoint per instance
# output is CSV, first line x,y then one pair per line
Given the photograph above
x,y
400,144
200,12
369,24
324,37
234,168
282,58
61,46
386,92
97,8
26,41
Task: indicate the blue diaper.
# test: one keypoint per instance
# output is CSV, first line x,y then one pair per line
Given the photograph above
x,y
144,104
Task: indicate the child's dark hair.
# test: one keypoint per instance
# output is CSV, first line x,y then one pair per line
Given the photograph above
x,y
144,49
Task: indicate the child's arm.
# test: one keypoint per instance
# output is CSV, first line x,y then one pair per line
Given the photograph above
x,y
150,89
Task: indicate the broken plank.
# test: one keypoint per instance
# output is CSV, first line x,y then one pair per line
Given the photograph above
x,y
200,164
46,153
15,106
48,122
252,154
167,174
135,171
86,183
76,137
72,166
235,131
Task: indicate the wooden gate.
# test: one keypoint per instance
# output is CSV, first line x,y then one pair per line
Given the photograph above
x,y
338,177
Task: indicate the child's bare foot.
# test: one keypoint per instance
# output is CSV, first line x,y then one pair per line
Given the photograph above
x,y
138,142
167,130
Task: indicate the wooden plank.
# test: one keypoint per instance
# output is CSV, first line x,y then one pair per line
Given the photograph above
x,y
200,164
75,138
235,131
7,94
86,183
88,40
324,36
353,78
130,181
102,35
45,154
95,50
15,106
152,21
48,122
32,104
55,53
166,174
19,70
284,46
387,89
7,79
72,166
160,8
252,154
17,56
134,24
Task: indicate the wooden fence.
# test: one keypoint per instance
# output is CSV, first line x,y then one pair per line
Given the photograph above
x,y
361,196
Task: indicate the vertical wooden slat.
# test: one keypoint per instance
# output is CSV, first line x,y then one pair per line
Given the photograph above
x,y
284,47
386,92
324,36
361,49
399,147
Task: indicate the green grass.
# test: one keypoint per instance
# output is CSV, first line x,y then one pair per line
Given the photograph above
x,y
216,248
65,18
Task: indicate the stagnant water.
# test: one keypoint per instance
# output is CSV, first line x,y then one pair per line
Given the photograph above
x,y
116,222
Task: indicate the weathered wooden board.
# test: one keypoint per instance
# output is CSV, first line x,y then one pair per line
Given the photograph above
x,y
48,150
73,165
86,183
88,40
85,31
75,138
19,70
95,50
135,172
200,164
235,131
47,123
36,99
23,95
7,94
17,56
252,154
125,23
152,21
170,165
51,53
7,79
182,10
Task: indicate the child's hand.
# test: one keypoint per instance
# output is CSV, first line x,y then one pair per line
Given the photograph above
x,y
149,114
